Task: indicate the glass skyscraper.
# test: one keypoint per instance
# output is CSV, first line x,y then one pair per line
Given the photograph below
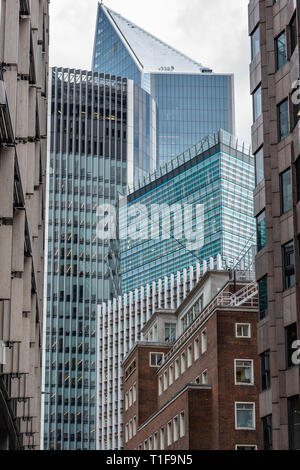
x,y
91,160
161,229
191,100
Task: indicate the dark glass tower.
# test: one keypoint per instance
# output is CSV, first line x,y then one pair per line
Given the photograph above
x,y
92,158
192,102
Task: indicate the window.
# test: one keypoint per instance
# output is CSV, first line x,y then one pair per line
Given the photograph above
x,y
175,429
126,401
146,445
126,433
155,441
245,447
263,297
267,432
196,349
204,378
156,359
203,342
134,393
298,178
171,374
189,356
286,197
160,385
162,439
130,397
280,50
134,426
130,429
294,423
265,371
255,42
176,369
243,330
293,34
197,380
182,424
261,230
257,103
169,433
183,365
165,380
288,265
290,338
170,332
150,443
283,120
244,416
243,372
259,166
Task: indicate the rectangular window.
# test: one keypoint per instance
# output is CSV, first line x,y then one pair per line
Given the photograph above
x,y
267,432
155,441
288,265
203,341
293,34
126,401
204,378
243,330
265,371
160,385
169,433
176,369
290,338
130,429
261,230
280,51
175,429
130,397
156,359
171,374
150,443
170,332
146,445
126,433
189,356
283,120
294,423
263,297
286,196
165,380
183,364
182,424
134,426
243,372
134,393
162,439
257,103
259,166
255,42
244,416
196,349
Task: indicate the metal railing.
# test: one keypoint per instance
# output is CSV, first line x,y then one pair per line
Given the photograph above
x,y
245,297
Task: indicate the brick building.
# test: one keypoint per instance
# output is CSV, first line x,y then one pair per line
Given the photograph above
x,y
193,382
274,76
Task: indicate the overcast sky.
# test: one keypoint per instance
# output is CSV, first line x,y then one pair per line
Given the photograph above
x,y
213,32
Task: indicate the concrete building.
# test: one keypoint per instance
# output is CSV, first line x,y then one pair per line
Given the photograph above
x,y
274,74
24,27
191,100
192,383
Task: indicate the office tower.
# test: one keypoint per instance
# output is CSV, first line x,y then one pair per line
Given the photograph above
x,y
23,131
192,101
196,207
91,159
274,31
195,388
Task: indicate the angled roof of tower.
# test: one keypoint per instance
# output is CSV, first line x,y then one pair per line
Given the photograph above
x,y
152,54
